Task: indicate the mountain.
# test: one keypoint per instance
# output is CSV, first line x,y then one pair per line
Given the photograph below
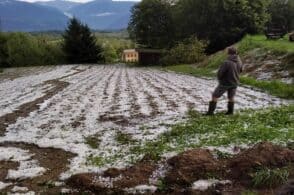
x,y
23,16
104,14
61,5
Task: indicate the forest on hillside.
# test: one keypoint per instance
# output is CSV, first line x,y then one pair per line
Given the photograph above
x,y
187,30
220,23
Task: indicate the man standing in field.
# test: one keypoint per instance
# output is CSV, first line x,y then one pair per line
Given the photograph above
x,y
228,78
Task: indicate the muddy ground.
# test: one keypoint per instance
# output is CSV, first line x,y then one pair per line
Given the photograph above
x,y
190,166
52,113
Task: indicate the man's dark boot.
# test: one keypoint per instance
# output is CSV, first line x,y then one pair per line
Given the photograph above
x,y
211,109
230,108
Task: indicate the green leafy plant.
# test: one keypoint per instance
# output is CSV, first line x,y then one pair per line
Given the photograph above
x,y
123,138
161,185
93,141
249,126
266,177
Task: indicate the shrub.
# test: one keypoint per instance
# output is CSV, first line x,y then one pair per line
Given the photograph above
x,y
23,49
187,52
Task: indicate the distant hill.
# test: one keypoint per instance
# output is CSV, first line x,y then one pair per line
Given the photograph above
x,y
104,14
62,5
23,16
53,15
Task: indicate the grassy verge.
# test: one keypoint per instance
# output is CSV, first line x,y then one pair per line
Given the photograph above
x,y
189,69
248,127
277,47
276,88
260,41
266,177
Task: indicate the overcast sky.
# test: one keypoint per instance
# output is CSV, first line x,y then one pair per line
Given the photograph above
x,y
82,1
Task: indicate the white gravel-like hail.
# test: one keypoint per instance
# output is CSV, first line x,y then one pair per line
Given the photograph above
x,y
105,100
203,185
28,168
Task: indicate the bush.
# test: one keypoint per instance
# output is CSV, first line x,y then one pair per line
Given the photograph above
x,y
187,52
276,88
109,54
23,49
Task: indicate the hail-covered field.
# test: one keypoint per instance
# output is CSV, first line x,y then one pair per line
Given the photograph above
x,y
88,110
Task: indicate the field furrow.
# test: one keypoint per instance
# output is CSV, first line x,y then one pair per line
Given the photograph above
x,y
95,114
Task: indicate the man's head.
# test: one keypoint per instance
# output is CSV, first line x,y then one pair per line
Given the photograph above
x,y
232,51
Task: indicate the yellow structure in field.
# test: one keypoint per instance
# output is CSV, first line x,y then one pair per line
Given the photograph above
x,y
130,55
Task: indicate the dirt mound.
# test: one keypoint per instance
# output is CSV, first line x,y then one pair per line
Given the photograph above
x,y
263,154
114,180
191,166
55,161
5,166
266,65
188,167
135,175
87,182
287,189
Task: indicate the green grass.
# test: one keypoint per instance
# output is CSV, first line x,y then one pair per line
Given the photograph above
x,y
266,177
93,141
213,61
248,127
275,88
245,127
101,161
277,47
123,138
260,41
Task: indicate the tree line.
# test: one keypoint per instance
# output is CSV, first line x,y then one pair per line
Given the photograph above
x,y
76,45
163,24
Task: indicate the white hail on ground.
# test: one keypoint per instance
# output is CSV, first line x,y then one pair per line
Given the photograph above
x,y
102,101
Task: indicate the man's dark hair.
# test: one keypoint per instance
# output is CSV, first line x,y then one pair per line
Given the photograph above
x,y
232,51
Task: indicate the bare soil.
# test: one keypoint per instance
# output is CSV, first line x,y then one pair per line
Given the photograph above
x,y
191,166
56,161
109,95
25,109
5,166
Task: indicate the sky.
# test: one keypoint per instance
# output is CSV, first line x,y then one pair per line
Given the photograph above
x,y
81,1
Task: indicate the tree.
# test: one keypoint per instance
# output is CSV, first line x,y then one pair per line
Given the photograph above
x,y
282,13
24,50
221,22
3,50
80,44
187,52
151,24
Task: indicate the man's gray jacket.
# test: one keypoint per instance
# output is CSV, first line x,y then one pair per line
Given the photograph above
x,y
228,73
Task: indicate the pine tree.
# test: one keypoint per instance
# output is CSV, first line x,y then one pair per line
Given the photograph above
x,y
80,44
3,50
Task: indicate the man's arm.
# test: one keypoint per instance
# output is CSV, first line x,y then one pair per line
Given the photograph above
x,y
240,64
